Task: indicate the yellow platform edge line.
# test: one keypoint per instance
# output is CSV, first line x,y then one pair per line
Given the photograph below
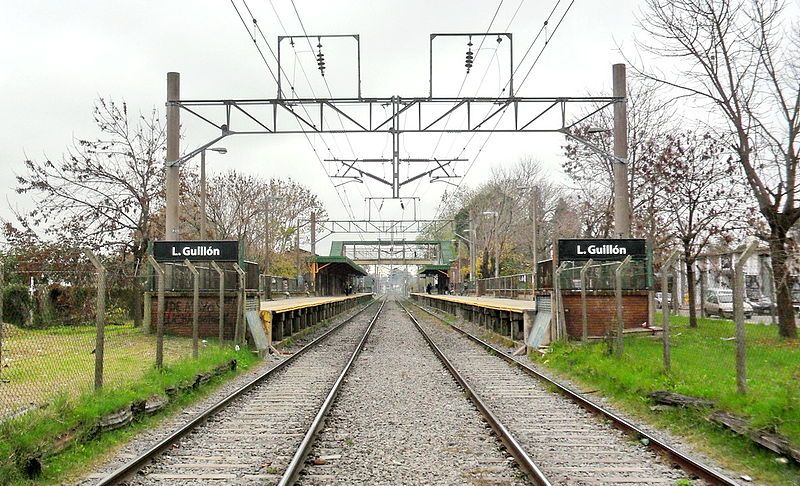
x,y
477,303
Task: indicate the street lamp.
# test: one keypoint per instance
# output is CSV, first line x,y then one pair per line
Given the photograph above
x,y
495,214
203,217
535,230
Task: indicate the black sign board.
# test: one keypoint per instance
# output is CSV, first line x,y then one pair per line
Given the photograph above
x,y
196,250
601,249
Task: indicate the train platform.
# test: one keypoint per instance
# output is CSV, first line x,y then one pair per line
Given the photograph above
x,y
511,305
282,318
509,317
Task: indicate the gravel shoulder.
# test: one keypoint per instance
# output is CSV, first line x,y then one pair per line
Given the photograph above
x,y
148,438
675,441
401,419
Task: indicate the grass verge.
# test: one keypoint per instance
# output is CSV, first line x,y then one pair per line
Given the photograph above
x,y
72,421
702,366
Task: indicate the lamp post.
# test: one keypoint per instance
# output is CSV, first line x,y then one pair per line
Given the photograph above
x,y
534,211
203,217
494,242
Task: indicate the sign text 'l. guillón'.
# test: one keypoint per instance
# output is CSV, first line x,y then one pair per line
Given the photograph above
x,y
217,250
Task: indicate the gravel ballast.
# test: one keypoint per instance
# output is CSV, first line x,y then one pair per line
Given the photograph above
x,y
400,418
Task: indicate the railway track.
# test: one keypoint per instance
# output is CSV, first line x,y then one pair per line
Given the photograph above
x,y
247,438
569,439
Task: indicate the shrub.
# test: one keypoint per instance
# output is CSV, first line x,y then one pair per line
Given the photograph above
x,y
16,304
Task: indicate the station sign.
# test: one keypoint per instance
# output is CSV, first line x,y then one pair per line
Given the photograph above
x,y
196,250
601,249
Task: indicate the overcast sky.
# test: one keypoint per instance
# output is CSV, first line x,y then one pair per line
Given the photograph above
x,y
58,57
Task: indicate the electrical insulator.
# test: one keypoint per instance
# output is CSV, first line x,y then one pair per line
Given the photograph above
x,y
320,58
470,56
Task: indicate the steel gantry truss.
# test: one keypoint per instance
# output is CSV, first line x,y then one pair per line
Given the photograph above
x,y
386,227
430,114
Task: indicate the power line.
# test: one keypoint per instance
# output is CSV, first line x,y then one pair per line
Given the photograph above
x,y
500,117
346,205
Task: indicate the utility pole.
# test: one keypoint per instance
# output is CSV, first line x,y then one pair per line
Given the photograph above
x,y
173,153
622,208
535,213
314,252
203,218
297,252
473,241
267,245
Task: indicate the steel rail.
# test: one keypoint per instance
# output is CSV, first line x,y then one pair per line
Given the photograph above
x,y
130,468
506,437
298,459
687,463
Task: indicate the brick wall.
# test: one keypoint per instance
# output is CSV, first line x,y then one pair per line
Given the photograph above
x,y
602,312
178,315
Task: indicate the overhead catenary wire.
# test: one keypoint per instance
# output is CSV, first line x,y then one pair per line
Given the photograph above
x,y
502,114
256,28
480,84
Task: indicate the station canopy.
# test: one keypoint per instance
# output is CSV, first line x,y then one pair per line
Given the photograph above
x,y
433,269
339,264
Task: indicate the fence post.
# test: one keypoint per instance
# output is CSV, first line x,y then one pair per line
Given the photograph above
x,y
195,306
738,317
558,308
2,303
100,320
620,342
584,317
664,310
160,321
221,274
238,334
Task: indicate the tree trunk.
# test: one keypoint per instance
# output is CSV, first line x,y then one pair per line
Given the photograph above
x,y
690,285
777,253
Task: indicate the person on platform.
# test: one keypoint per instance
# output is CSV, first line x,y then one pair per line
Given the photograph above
x,y
428,288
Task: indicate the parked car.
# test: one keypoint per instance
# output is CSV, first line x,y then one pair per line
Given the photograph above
x,y
761,305
659,299
720,302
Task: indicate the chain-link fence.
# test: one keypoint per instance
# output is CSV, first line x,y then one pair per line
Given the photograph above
x,y
70,329
507,286
734,340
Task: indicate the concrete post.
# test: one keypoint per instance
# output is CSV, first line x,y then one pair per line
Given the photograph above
x,y
473,242
100,320
2,289
195,306
622,209
738,317
314,252
620,342
203,217
239,331
667,352
221,274
584,315
561,326
535,217
173,153
160,321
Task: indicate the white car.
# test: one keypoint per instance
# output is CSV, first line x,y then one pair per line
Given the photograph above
x,y
720,302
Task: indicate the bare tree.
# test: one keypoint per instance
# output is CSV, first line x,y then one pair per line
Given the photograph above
x,y
739,58
697,191
106,191
649,120
236,208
